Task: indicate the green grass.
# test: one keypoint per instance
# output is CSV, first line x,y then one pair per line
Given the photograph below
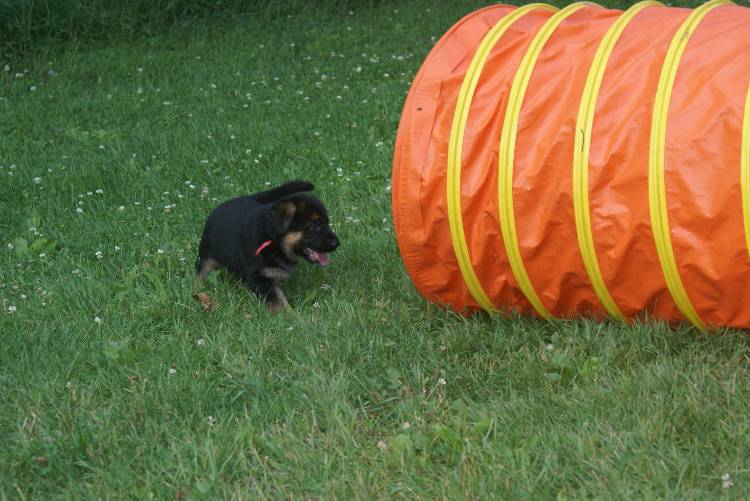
x,y
363,389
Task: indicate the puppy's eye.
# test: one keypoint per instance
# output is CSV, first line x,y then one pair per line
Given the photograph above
x,y
314,225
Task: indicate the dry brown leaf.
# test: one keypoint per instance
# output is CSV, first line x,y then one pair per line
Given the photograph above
x,y
205,301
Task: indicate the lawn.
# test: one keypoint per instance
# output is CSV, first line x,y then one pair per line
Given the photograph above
x,y
115,384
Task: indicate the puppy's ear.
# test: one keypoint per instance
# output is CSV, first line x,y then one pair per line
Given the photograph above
x,y
284,211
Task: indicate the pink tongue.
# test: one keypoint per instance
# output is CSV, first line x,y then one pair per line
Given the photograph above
x,y
320,257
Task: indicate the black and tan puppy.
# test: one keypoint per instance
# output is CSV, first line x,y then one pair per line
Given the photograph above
x,y
260,237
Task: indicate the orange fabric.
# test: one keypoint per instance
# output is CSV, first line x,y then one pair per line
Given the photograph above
x,y
544,160
618,166
702,165
703,180
418,182
479,185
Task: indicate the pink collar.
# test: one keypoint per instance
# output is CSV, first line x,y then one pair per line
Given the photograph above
x,y
263,246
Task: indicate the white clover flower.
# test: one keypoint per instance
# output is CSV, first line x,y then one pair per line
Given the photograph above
x,y
381,445
172,371
121,208
98,192
98,320
37,180
211,420
726,481
12,308
160,251
99,254
200,342
442,382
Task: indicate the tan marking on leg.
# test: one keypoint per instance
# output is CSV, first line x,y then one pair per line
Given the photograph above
x,y
275,274
279,303
199,284
207,266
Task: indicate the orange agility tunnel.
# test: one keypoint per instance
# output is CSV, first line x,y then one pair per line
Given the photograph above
x,y
582,162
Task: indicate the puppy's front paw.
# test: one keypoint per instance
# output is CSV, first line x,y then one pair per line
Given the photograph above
x,y
277,307
278,302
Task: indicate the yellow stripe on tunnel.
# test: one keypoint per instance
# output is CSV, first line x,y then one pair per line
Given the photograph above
x,y
584,125
507,154
745,170
656,186
455,149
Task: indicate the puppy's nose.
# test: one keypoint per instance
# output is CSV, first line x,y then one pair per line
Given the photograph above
x,y
333,242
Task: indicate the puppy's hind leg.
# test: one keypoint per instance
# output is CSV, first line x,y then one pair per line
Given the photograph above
x,y
203,268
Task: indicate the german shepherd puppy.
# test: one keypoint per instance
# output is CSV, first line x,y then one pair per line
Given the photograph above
x,y
260,237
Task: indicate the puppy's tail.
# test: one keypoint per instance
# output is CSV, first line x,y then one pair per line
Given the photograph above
x,y
286,189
